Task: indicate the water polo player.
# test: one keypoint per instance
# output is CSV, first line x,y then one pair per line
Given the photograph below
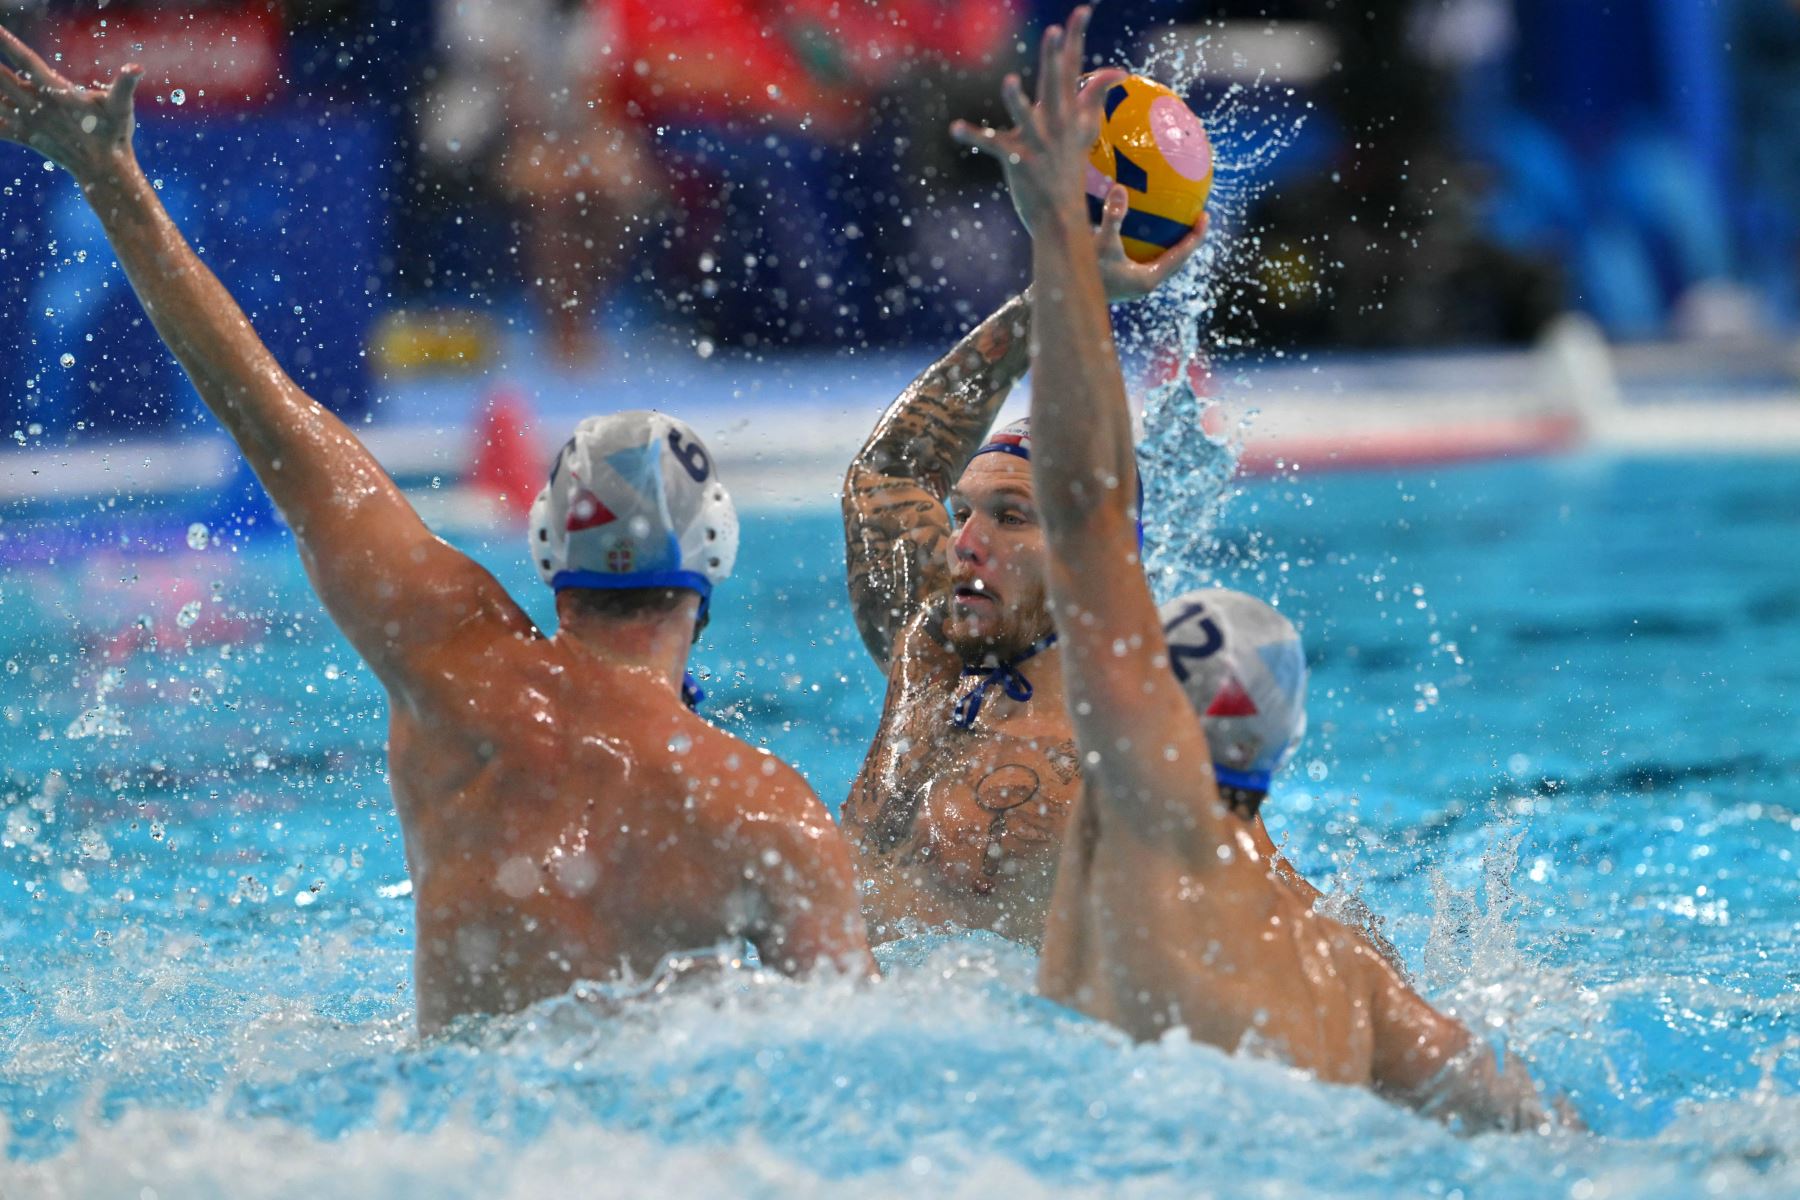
x,y
958,812
1166,914
565,815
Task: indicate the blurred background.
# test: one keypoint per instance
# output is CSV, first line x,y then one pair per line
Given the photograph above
x,y
431,207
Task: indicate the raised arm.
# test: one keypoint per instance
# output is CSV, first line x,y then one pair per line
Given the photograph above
x,y
895,526
1145,754
391,586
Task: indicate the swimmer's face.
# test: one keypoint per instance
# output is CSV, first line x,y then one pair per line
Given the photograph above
x,y
997,561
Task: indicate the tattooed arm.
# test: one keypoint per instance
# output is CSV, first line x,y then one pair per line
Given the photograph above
x,y
895,526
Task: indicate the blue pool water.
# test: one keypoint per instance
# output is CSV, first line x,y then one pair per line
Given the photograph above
x,y
1554,742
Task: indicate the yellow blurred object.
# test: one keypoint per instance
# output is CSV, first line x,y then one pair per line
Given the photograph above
x,y
1151,142
442,340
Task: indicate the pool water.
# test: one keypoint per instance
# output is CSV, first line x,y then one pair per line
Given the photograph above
x,y
1554,743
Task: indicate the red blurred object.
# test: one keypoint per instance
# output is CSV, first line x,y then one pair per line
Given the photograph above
x,y
800,62
1382,449
228,60
507,463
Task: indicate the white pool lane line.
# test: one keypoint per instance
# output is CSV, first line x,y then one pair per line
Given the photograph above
x,y
783,434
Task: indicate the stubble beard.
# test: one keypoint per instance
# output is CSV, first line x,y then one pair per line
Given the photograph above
x,y
1002,641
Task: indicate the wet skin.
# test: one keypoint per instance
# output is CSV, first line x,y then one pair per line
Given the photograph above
x,y
1166,913
953,826
964,826
564,817
567,818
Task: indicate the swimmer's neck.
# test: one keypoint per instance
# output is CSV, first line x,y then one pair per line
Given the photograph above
x,y
657,642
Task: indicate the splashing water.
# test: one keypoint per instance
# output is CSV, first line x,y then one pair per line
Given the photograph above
x,y
1186,472
160,1035
1166,340
101,720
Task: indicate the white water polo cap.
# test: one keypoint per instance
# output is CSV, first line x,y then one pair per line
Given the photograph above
x,y
1244,671
634,502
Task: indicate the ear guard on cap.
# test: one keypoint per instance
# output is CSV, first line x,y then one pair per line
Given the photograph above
x,y
634,501
1244,671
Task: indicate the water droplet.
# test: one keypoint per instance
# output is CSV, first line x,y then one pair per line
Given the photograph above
x,y
1316,770
67,360
90,123
178,97
190,612
198,536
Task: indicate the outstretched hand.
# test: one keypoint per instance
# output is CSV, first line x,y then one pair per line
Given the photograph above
x,y
1044,155
1045,158
79,128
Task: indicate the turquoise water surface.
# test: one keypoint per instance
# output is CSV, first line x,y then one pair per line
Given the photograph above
x,y
1554,742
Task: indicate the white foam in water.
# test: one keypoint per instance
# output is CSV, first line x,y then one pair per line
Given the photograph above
x,y
946,1079
164,1155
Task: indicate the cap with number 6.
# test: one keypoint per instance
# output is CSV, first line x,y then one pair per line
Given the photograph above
x,y
634,501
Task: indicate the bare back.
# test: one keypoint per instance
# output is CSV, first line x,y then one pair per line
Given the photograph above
x,y
564,817
569,819
1147,942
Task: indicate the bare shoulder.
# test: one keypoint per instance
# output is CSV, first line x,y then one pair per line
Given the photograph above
x,y
746,788
1365,973
453,612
